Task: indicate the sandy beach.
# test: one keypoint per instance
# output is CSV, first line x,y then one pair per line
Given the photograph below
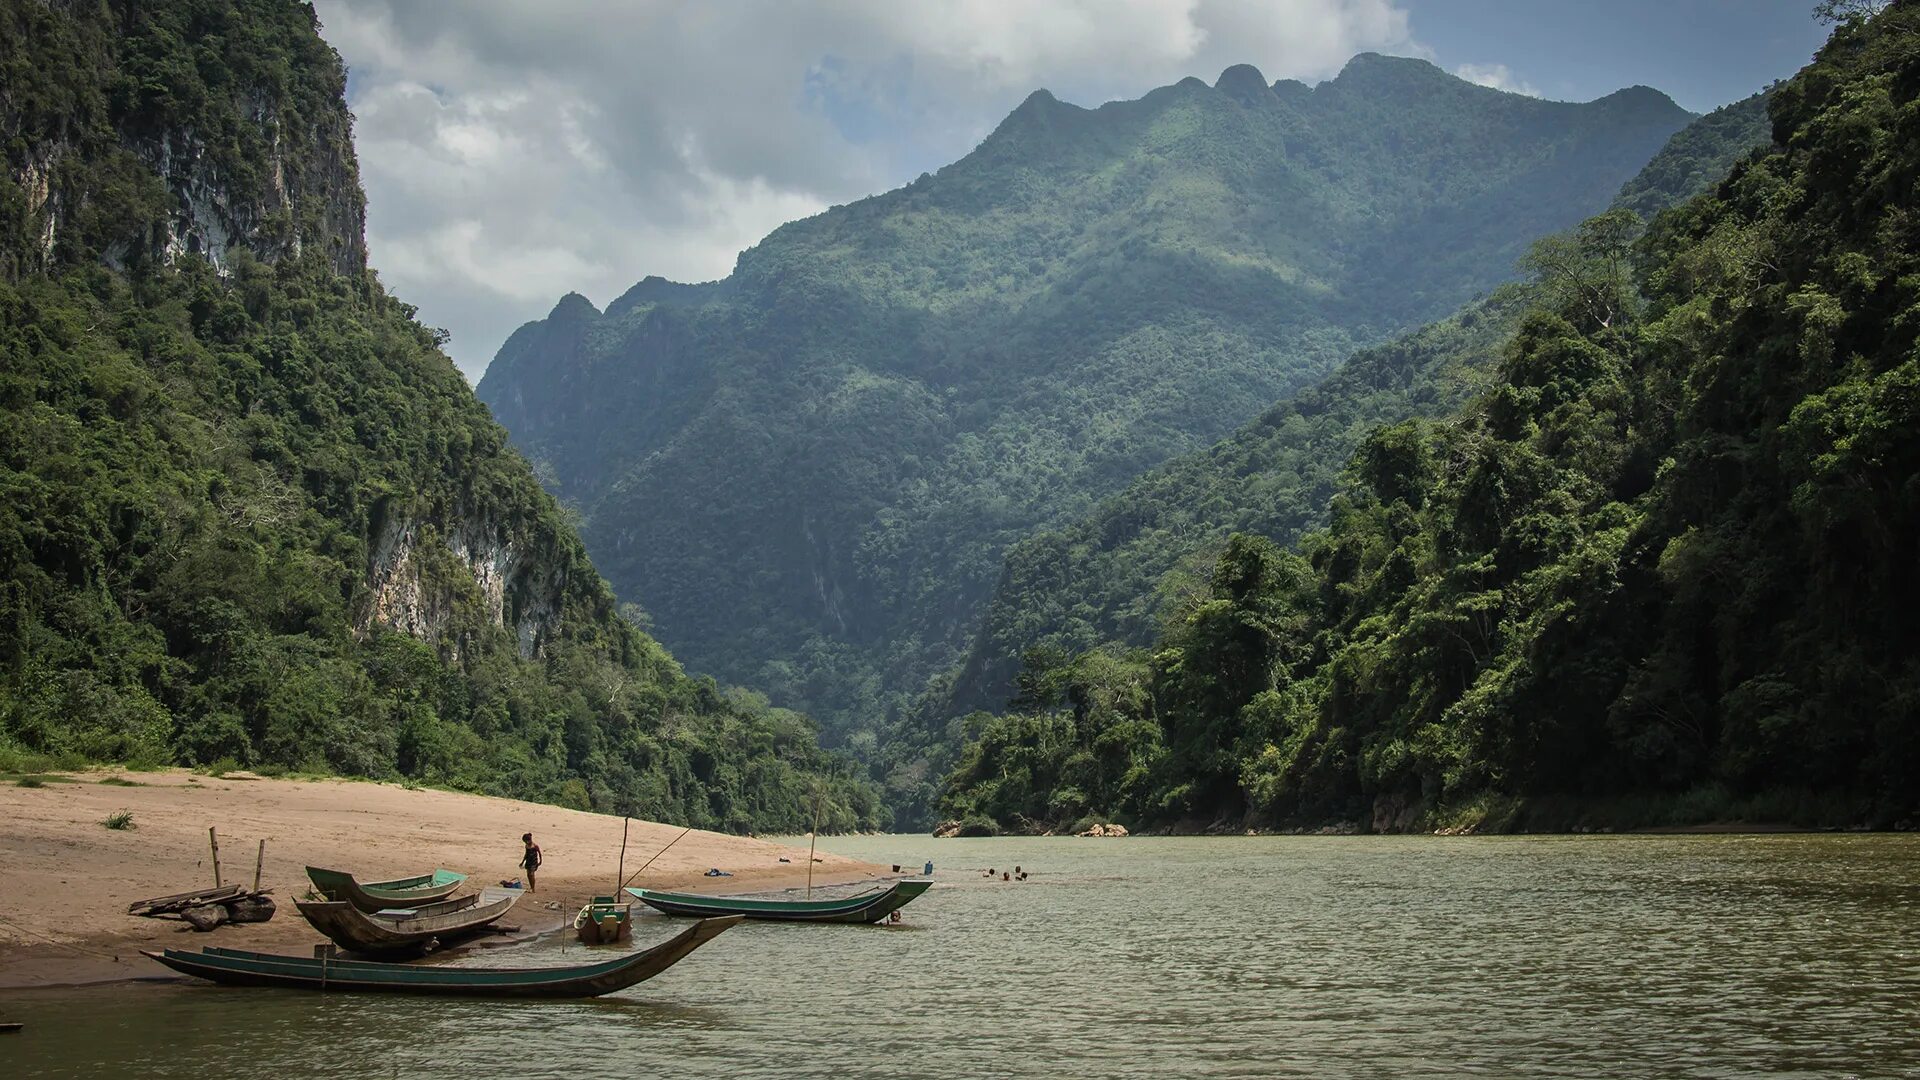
x,y
66,879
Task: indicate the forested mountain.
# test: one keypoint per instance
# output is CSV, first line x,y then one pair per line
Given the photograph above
x,y
1112,574
249,512
807,473
1659,569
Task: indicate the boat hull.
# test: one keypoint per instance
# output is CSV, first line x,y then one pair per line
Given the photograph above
x,y
373,896
447,921
865,908
232,967
605,921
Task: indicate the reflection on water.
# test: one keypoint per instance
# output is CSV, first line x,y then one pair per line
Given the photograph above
x,y
1308,956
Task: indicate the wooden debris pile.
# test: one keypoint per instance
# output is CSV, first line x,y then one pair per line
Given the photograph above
x,y
204,909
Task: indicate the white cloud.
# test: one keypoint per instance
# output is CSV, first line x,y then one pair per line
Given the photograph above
x,y
1497,76
513,152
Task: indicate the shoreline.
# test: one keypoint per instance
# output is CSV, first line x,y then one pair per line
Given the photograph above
x,y
1711,828
68,877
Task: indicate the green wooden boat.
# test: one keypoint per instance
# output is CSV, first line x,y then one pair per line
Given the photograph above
x,y
379,895
235,967
867,907
407,930
607,920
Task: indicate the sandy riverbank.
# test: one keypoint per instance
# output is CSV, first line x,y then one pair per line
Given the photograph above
x,y
66,879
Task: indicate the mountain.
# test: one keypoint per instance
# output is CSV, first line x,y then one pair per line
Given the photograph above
x,y
1656,571
1111,574
252,515
807,472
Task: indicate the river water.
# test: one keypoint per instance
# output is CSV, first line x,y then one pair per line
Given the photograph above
x,y
1593,956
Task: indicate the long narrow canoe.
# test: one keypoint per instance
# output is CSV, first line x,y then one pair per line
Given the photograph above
x,y
237,968
406,930
868,907
380,895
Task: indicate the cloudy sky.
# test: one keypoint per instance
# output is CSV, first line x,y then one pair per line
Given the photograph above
x,y
515,151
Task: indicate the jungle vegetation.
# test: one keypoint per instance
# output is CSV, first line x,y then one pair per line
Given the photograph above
x,y
809,472
1656,570
198,466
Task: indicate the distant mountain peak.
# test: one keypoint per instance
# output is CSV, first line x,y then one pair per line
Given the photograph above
x,y
1244,84
1039,108
574,306
1370,65
1639,98
1291,89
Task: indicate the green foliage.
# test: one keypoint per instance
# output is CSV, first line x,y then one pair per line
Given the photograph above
x,y
1698,155
257,520
1084,739
1659,568
120,821
1117,572
810,470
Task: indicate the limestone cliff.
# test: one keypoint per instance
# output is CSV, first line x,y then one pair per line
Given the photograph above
x,y
248,148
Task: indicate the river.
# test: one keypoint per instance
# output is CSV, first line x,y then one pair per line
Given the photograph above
x,y
1589,956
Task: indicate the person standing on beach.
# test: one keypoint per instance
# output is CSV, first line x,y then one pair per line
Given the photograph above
x,y
531,860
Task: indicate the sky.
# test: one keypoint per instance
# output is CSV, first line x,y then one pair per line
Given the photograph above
x,y
513,152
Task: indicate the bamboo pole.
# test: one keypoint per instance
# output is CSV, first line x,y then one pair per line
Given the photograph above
x,y
657,854
620,875
812,837
213,837
259,861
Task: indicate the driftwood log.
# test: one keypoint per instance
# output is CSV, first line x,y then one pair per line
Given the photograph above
x,y
205,917
256,908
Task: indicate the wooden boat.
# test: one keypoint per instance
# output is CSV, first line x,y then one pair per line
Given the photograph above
x,y
379,895
605,921
410,929
237,968
11,1028
867,907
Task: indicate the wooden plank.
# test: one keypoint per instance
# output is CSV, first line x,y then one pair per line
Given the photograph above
x,y
184,900
179,902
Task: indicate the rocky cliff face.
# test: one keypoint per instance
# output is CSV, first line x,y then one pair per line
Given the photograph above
x,y
211,216
247,151
247,147
516,588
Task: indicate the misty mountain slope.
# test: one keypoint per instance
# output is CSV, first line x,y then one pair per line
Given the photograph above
x,y
807,473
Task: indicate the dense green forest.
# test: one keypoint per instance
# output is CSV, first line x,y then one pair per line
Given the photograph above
x,y
1113,574
252,515
809,471
1657,570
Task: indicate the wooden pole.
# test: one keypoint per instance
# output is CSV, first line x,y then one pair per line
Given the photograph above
x,y
620,875
213,837
657,854
259,861
811,838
